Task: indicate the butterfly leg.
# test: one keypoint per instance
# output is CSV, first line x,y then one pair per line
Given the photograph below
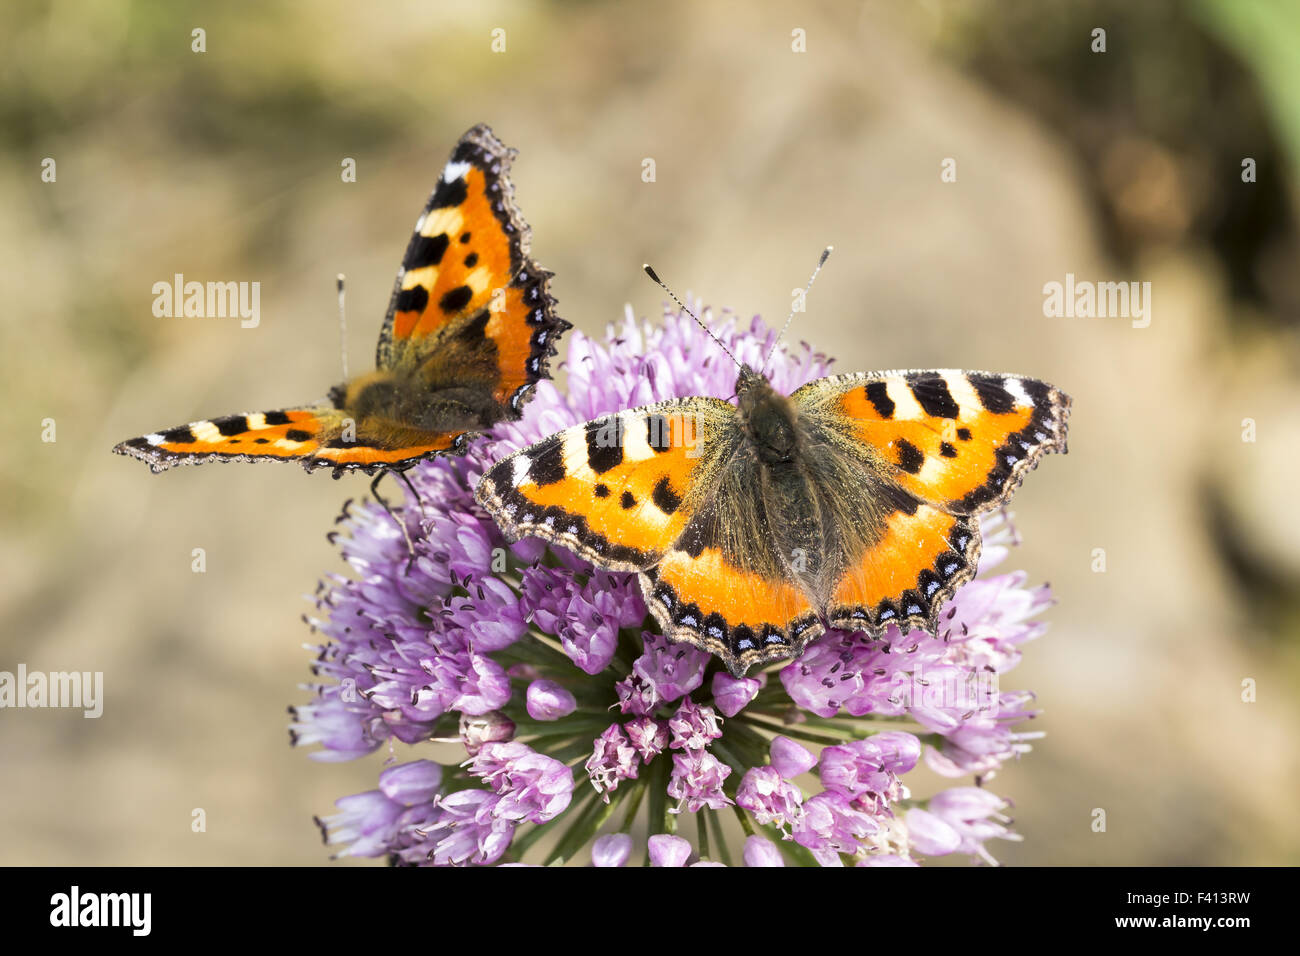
x,y
383,503
415,494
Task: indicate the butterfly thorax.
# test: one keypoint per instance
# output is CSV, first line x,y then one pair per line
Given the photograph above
x,y
395,396
769,418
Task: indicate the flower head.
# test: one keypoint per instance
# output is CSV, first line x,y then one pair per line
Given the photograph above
x,y
573,715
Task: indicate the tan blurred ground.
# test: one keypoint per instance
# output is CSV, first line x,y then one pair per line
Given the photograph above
x,y
225,165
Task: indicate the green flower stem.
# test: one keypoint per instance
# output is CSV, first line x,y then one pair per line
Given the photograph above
x,y
748,744
746,824
737,765
702,832
794,730
715,821
575,725
633,800
522,844
574,836
795,853
537,651
657,784
583,829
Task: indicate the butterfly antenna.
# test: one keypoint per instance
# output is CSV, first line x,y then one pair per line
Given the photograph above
x,y
660,282
343,330
820,262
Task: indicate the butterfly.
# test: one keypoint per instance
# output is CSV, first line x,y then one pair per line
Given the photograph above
x,y
470,328
851,503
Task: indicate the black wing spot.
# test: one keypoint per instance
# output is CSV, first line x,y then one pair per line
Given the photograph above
x,y
947,450
414,299
933,396
276,418
261,441
425,251
658,433
449,194
992,393
179,436
628,500
605,443
602,490
899,498
464,238
471,260
878,395
298,435
665,499
963,434
234,425
455,299
548,461
910,458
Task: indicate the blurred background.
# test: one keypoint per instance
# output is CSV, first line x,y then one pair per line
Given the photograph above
x,y
1123,165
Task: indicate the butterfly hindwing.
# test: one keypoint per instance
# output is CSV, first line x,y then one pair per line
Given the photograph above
x,y
961,441
701,595
919,558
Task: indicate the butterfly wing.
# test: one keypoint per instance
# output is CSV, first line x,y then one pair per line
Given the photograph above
x,y
666,490
317,436
618,490
470,309
289,434
961,441
931,450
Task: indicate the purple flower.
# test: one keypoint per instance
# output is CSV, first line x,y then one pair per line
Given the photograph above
x,y
537,663
467,830
696,781
666,850
648,736
732,693
673,670
612,849
762,852
790,759
612,760
867,770
411,784
769,798
974,814
480,729
693,726
531,786
830,825
547,700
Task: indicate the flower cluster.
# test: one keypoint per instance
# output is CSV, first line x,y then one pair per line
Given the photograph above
x,y
586,733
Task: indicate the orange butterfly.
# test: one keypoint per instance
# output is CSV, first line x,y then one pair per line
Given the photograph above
x,y
469,331
851,503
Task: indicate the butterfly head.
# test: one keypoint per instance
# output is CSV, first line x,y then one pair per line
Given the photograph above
x,y
767,416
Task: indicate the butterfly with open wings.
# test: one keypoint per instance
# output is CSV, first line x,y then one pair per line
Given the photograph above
x,y
852,503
